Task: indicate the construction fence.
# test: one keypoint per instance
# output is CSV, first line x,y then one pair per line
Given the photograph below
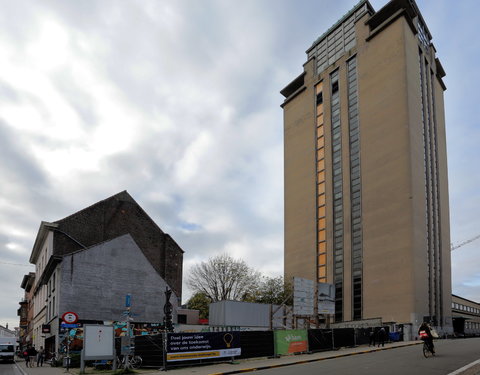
x,y
185,349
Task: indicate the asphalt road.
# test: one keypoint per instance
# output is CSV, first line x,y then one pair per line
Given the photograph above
x,y
450,356
9,369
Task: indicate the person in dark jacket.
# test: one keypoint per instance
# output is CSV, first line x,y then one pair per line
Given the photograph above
x,y
40,357
32,353
371,337
425,334
27,357
382,335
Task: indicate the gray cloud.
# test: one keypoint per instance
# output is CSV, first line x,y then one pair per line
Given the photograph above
x,y
178,102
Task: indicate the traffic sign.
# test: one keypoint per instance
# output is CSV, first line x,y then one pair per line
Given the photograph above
x,y
67,325
70,317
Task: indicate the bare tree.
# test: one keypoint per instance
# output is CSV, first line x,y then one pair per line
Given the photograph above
x,y
224,278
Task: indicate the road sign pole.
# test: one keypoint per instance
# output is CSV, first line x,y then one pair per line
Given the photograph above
x,y
68,352
128,305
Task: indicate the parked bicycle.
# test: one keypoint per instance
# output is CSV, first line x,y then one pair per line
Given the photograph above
x,y
133,361
53,360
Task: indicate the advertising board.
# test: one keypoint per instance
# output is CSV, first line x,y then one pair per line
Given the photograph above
x,y
291,341
303,296
98,342
326,298
192,346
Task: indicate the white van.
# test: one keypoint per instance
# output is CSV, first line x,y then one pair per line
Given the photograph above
x,y
7,348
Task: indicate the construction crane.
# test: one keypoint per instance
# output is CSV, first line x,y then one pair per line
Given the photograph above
x,y
454,247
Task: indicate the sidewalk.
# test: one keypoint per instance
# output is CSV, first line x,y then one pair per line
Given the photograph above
x,y
239,366
46,369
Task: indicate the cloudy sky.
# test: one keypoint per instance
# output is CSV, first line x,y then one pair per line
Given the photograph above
x,y
177,101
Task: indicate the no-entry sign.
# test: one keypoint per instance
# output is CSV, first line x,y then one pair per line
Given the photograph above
x,y
70,317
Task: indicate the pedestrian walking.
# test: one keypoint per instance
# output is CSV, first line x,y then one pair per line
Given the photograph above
x,y
40,357
32,353
371,337
26,357
382,336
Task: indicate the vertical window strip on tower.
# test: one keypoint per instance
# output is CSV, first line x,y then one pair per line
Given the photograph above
x,y
433,196
337,195
321,212
433,187
355,188
426,151
437,199
431,180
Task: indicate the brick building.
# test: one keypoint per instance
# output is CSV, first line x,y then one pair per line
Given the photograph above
x,y
89,261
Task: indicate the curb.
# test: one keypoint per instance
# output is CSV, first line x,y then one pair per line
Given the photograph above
x,y
309,360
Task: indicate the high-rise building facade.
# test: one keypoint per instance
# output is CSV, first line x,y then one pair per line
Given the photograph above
x,y
366,193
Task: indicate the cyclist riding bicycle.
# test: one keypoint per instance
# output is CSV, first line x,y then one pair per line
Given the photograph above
x,y
425,334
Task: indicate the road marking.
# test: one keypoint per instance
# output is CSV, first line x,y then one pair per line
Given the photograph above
x,y
464,368
20,369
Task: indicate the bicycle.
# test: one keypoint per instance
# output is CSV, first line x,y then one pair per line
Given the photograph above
x,y
133,362
53,360
427,351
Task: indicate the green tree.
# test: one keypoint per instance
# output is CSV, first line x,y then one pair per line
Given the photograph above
x,y
274,290
199,301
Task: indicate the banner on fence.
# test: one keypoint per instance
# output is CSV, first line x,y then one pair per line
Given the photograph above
x,y
193,346
291,341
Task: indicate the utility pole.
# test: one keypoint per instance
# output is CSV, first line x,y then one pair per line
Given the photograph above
x,y
128,313
168,309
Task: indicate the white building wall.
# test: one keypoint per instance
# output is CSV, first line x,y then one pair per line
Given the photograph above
x,y
95,281
40,297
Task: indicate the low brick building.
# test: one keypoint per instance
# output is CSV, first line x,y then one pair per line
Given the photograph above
x,y
89,261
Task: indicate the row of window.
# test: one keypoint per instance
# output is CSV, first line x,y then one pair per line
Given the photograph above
x,y
51,300
334,43
432,200
422,35
337,190
355,191
321,214
51,309
337,194
472,325
51,285
465,308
